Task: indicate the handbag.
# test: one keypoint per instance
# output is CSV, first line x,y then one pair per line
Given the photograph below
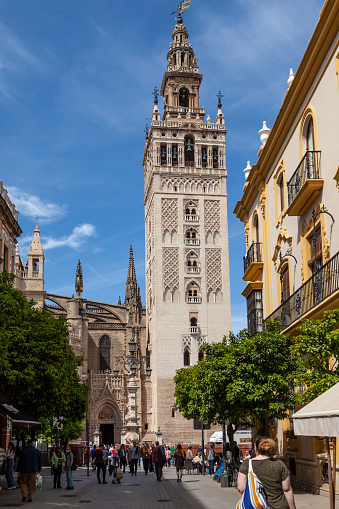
x,y
38,481
3,467
254,495
74,466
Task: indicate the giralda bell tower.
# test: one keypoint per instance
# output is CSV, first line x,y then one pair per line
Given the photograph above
x,y
187,263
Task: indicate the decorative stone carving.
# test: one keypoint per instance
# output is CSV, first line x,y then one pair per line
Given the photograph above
x,y
283,236
186,343
262,194
247,232
190,185
212,216
213,270
171,268
169,214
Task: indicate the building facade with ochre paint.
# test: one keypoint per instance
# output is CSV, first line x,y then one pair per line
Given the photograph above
x,y
290,212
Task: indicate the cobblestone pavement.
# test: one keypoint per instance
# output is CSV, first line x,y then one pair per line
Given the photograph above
x,y
140,492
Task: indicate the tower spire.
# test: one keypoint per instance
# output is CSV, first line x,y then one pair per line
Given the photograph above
x,y
131,283
79,283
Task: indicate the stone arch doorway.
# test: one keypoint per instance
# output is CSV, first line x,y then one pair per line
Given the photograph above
x,y
109,424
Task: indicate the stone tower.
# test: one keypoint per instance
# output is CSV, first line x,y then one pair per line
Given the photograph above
x,y
30,279
187,265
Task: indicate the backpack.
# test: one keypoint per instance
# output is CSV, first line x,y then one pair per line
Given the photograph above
x,y
146,455
161,455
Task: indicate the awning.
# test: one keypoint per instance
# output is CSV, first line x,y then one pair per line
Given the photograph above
x,y
20,419
320,417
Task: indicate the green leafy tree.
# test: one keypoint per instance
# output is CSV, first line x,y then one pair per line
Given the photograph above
x,y
241,380
317,353
38,367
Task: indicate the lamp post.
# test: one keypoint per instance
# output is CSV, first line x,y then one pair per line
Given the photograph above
x,y
132,364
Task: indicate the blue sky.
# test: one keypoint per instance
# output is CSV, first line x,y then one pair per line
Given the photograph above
x,y
76,79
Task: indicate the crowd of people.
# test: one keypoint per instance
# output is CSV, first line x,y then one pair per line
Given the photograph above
x,y
272,472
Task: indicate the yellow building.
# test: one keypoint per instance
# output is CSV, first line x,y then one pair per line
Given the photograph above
x,y
290,211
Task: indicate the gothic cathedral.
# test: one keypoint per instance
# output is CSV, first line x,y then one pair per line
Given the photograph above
x,y
186,234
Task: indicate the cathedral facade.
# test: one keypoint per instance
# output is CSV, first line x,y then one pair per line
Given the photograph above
x,y
186,233
100,332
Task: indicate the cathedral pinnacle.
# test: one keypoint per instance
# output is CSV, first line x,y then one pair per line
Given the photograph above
x,y
131,283
79,283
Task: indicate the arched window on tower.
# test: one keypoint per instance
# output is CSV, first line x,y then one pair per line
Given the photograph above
x,y
187,361
183,96
215,158
204,157
200,355
189,151
105,353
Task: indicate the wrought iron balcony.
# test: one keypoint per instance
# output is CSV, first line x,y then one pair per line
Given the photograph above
x,y
305,184
253,261
321,285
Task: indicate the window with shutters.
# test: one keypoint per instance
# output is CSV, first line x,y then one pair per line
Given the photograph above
x,y
255,312
285,282
315,254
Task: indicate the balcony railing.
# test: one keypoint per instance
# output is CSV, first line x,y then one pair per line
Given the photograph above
x,y
321,285
194,330
190,218
181,109
193,270
253,255
192,242
193,300
309,168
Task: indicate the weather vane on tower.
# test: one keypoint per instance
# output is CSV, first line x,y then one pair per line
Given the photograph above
x,y
182,7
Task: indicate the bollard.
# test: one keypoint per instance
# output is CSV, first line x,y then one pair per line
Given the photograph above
x,y
224,480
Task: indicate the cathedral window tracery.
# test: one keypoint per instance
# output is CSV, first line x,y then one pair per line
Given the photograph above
x,y
105,353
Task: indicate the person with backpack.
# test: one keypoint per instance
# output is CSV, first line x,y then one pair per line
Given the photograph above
x,y
122,457
146,457
134,452
158,459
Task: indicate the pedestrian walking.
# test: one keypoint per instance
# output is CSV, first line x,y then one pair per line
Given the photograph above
x,y
146,457
273,474
179,461
168,455
172,448
93,450
51,452
2,461
158,459
10,455
134,456
59,461
211,460
122,457
100,464
189,460
68,468
28,465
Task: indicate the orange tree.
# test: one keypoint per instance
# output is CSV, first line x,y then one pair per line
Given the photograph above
x,y
240,380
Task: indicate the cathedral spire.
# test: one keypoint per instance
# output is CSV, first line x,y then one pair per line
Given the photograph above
x,y
131,283
79,283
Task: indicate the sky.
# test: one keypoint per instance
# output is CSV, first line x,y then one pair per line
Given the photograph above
x,y
76,78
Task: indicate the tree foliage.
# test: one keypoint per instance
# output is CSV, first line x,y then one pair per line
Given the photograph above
x,y
38,367
241,379
317,353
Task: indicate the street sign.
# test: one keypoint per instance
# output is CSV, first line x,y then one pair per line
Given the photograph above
x,y
198,424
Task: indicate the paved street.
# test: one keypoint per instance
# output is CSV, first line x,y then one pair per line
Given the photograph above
x,y
195,492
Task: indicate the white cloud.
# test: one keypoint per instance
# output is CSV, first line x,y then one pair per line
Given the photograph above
x,y
75,240
32,206
13,55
